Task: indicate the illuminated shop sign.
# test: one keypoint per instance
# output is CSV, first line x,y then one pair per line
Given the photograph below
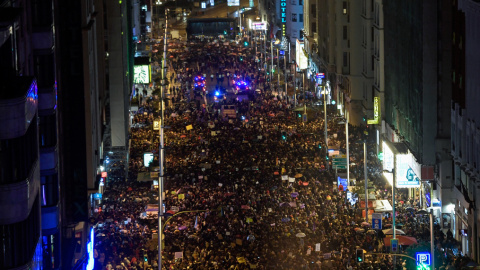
x,y
283,11
90,247
376,112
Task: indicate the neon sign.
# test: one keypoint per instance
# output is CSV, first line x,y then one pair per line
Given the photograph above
x,y
423,260
376,112
90,246
283,11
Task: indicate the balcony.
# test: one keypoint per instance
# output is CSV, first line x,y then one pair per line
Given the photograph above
x,y
18,106
17,198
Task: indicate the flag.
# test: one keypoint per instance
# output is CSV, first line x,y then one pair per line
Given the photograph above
x,y
196,223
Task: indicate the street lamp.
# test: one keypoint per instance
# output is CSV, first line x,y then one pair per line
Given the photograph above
x,y
432,249
161,156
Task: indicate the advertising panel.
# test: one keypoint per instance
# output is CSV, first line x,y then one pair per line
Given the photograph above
x,y
405,171
300,57
141,74
387,162
147,159
259,26
233,3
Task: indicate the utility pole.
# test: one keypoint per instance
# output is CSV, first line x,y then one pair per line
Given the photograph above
x,y
161,157
347,144
326,136
278,71
271,54
365,175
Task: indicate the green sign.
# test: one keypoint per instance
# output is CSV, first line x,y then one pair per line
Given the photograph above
x,y
339,161
339,166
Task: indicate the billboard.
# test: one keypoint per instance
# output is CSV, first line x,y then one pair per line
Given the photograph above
x,y
233,3
141,74
147,159
259,26
387,162
406,173
300,57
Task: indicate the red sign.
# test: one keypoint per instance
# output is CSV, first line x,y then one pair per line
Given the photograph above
x,y
104,174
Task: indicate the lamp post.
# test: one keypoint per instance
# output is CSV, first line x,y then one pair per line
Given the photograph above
x,y
161,157
271,54
347,146
326,136
365,175
278,71
432,247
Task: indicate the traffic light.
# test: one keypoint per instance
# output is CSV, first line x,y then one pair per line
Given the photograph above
x,y
319,146
245,43
284,135
224,32
359,256
299,115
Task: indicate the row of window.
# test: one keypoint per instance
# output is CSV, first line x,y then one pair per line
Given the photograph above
x,y
300,17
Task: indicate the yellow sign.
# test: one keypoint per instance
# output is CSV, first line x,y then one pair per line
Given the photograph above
x,y
189,127
376,112
156,125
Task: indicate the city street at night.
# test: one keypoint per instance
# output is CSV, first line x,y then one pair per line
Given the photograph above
x,y
247,190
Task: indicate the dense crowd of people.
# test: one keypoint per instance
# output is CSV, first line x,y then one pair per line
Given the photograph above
x,y
254,189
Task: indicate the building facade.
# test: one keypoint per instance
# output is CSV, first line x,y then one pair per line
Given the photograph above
x,y
417,93
465,127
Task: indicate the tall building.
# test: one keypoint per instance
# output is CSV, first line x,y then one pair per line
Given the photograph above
x,y
294,20
465,127
43,50
417,68
20,198
20,201
339,43
56,74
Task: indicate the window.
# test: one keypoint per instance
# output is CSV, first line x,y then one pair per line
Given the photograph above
x,y
294,17
300,2
314,27
345,36
344,7
345,59
49,190
300,17
313,10
48,130
294,2
300,34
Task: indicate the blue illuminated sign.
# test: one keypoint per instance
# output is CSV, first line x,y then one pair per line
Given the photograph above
x,y
90,246
423,260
